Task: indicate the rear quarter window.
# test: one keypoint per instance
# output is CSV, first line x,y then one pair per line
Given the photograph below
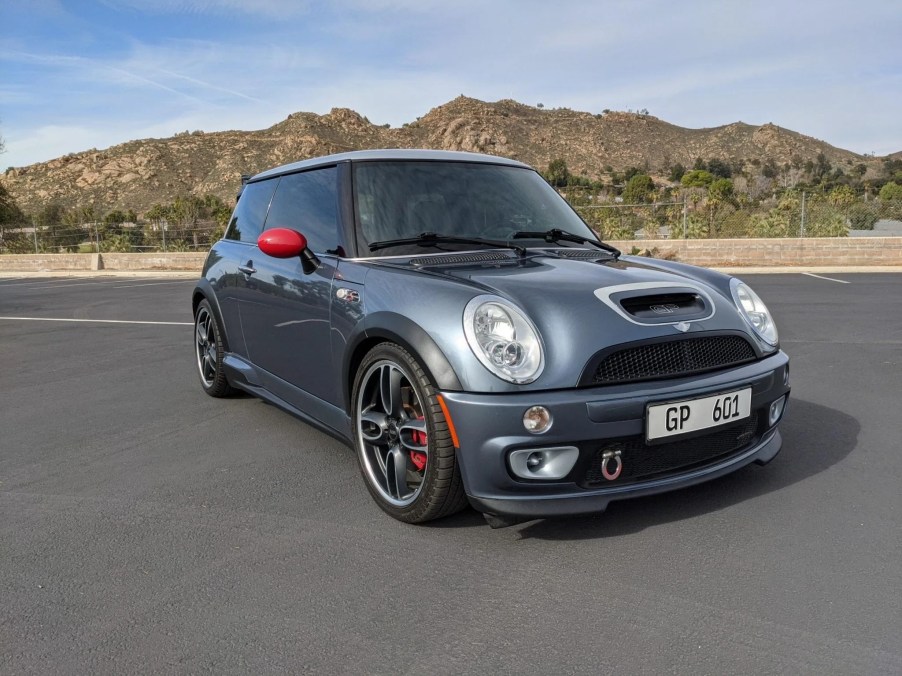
x,y
250,213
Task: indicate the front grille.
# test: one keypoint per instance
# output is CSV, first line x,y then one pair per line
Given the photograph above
x,y
641,461
673,358
462,259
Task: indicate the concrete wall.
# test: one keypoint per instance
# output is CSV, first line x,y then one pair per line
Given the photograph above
x,y
827,251
154,261
107,261
822,251
47,262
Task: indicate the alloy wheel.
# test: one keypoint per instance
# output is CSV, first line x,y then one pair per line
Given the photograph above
x,y
392,433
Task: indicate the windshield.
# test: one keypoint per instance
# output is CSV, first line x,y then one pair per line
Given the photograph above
x,y
397,200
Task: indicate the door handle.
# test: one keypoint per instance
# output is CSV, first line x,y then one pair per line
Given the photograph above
x,y
247,269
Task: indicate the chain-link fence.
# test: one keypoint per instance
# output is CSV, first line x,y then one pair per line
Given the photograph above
x,y
94,237
697,216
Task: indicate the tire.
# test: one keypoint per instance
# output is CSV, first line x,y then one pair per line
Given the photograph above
x,y
208,352
404,447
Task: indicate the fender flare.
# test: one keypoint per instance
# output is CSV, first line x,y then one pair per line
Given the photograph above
x,y
204,290
395,328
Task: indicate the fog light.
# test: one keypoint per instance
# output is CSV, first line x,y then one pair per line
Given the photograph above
x,y
537,419
534,461
776,411
543,463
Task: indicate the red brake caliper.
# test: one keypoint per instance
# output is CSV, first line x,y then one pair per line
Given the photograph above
x,y
418,459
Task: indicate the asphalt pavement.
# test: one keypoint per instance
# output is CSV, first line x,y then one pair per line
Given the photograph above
x,y
146,527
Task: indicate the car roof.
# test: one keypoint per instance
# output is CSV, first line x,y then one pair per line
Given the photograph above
x,y
388,154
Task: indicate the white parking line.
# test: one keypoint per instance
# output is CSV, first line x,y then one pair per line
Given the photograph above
x,y
829,279
59,282
107,282
54,283
130,286
93,321
25,281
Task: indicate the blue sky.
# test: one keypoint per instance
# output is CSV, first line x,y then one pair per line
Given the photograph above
x,y
77,75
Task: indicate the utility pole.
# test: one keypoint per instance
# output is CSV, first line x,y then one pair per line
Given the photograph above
x,y
685,231
34,231
802,229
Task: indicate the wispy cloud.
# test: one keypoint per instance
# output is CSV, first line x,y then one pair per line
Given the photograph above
x,y
120,69
207,85
266,8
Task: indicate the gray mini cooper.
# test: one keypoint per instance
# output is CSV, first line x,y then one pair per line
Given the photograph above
x,y
455,321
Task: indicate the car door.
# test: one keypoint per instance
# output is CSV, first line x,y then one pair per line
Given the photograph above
x,y
237,253
285,320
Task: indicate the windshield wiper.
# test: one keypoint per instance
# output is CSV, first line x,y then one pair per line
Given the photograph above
x,y
427,238
557,235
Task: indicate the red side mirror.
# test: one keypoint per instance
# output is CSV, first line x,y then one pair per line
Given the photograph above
x,y
282,243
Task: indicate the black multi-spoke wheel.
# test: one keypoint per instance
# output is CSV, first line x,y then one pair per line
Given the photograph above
x,y
403,444
208,350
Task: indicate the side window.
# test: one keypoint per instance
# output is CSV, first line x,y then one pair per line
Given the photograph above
x,y
247,220
308,202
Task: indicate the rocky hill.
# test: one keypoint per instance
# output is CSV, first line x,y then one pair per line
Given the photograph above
x,y
138,174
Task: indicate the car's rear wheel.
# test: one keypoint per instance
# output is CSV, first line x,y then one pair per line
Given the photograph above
x,y
403,443
208,351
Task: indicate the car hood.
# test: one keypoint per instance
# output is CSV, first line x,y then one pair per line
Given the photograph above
x,y
581,304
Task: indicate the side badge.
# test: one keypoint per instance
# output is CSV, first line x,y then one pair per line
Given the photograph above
x,y
681,326
347,294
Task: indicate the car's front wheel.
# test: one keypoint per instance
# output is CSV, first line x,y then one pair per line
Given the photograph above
x,y
403,443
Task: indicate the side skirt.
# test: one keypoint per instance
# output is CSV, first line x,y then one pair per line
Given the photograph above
x,y
304,406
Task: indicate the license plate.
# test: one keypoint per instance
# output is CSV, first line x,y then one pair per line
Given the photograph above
x,y
692,415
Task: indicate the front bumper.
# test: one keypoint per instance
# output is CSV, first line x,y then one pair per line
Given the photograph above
x,y
489,427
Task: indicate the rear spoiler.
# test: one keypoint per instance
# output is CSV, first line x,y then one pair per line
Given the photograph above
x,y
244,179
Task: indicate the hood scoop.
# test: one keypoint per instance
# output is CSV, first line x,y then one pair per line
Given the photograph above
x,y
658,302
674,306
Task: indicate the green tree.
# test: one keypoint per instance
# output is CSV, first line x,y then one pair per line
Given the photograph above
x,y
557,173
10,213
676,172
632,171
11,221
892,168
112,223
697,178
721,189
863,216
719,198
638,189
719,168
58,228
891,191
842,197
891,197
822,168
770,169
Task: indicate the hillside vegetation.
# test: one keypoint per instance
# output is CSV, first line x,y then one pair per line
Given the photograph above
x,y
138,174
627,174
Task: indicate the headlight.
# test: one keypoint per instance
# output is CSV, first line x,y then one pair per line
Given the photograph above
x,y
503,339
755,311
